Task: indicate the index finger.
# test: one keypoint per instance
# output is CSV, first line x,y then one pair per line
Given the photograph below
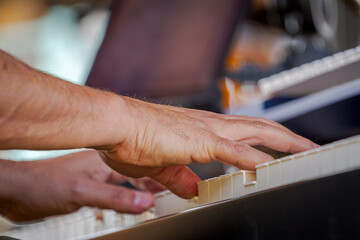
x,y
257,132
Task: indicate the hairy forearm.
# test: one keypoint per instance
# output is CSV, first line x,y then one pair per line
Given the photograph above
x,y
40,111
9,177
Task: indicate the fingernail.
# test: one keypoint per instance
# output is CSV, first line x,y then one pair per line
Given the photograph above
x,y
316,145
143,201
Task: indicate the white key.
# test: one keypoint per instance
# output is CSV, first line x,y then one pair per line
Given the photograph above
x,y
354,155
32,232
150,214
129,219
167,203
327,165
139,218
53,230
23,233
42,233
287,170
274,173
250,187
239,178
340,158
61,228
90,222
174,203
160,204
340,143
249,176
313,164
237,181
262,176
203,192
192,203
119,219
215,190
353,139
79,226
226,186
15,233
300,167
109,218
69,227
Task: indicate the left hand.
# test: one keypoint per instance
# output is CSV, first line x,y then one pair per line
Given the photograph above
x,y
64,184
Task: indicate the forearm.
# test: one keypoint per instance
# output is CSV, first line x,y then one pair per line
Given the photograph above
x,y
10,175
40,111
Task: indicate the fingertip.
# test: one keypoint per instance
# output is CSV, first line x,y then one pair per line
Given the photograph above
x,y
316,145
118,198
263,159
266,158
143,201
303,145
310,145
191,191
179,180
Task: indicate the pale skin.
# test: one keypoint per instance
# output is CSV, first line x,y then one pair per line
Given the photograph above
x,y
64,184
135,138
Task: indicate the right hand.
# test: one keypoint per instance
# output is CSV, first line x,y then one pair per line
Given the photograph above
x,y
160,140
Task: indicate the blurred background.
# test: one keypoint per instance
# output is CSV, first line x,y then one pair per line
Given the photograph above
x,y
225,56
58,37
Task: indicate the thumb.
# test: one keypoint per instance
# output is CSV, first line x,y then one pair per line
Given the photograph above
x,y
179,179
118,198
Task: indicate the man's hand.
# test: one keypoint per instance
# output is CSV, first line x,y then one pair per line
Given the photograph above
x,y
161,139
39,111
62,185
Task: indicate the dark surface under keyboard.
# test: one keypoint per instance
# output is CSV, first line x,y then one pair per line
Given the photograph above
x,y
325,208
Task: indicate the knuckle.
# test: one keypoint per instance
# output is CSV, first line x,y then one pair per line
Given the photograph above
x,y
241,147
203,151
207,155
259,124
219,141
265,120
77,187
233,121
120,195
75,195
288,148
229,121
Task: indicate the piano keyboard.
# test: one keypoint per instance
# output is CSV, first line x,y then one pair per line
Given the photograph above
x,y
334,158
84,224
340,156
317,75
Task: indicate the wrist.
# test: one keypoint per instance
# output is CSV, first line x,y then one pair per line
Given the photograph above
x,y
10,174
114,116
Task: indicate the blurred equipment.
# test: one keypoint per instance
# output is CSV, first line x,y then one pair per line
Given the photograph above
x,y
167,50
307,73
315,76
319,100
337,22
